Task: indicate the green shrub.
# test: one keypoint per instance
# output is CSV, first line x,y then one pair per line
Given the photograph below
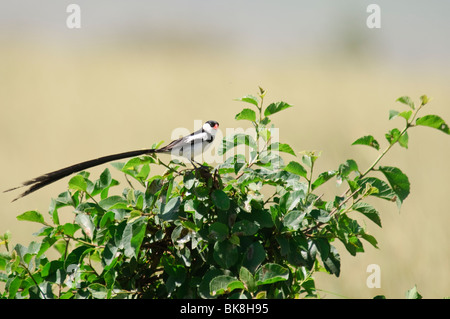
x,y
252,227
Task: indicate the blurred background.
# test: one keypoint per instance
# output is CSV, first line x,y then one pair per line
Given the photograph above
x,y
136,70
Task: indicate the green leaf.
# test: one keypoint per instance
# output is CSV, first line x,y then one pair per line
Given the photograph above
x,y
369,211
63,199
406,100
395,135
261,217
281,148
189,180
403,140
249,99
290,200
225,254
368,140
14,286
238,163
66,295
224,284
169,211
105,178
352,244
333,262
190,225
275,108
246,114
52,271
296,168
399,182
105,181
75,256
310,157
220,199
424,99
323,246
245,228
393,114
322,178
265,133
235,240
204,287
254,256
137,161
384,190
78,183
26,253
405,114
133,235
370,239
293,219
322,216
413,293
434,121
270,273
218,231
70,229
32,216
60,246
346,168
85,222
47,242
111,202
143,173
98,291
202,192
21,250
231,141
247,278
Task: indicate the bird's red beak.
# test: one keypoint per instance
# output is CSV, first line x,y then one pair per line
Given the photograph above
x,y
216,126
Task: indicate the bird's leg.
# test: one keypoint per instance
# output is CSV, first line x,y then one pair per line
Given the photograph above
x,y
203,167
192,162
200,166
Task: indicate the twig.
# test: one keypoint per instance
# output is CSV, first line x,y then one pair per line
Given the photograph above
x,y
32,278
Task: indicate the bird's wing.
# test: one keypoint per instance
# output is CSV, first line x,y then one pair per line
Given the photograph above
x,y
196,137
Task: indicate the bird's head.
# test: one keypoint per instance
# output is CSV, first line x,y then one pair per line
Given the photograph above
x,y
211,127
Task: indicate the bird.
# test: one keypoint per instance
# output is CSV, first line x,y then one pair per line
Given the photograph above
x,y
188,146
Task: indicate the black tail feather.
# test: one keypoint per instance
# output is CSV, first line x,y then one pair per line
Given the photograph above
x,y
46,179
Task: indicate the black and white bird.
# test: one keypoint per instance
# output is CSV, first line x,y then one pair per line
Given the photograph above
x,y
188,146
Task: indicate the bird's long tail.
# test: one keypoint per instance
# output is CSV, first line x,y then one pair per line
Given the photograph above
x,y
46,179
